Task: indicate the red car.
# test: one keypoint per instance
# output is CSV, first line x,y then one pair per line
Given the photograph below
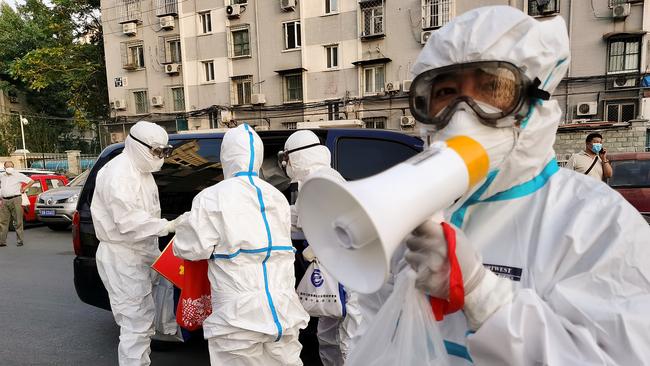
x,y
631,179
42,182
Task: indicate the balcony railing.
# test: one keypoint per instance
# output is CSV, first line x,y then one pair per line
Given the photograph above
x,y
166,7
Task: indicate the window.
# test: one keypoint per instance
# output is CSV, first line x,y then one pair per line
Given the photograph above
x,y
373,79
372,14
242,89
647,140
208,71
375,122
551,7
436,13
129,10
54,183
240,2
332,56
623,55
141,102
333,111
181,124
35,189
205,20
630,173
293,88
290,125
178,98
358,158
620,111
291,35
132,55
173,51
240,42
166,7
331,6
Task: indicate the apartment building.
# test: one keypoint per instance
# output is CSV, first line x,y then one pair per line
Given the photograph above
x,y
205,64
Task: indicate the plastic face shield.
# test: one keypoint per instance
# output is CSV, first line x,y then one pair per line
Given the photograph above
x,y
492,89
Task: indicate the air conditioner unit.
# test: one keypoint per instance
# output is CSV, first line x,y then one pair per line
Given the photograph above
x,y
391,86
621,10
167,22
424,36
130,29
119,104
157,101
172,68
406,121
258,99
623,82
233,11
288,5
587,109
406,85
226,116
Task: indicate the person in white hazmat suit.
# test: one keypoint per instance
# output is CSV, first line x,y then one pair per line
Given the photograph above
x,y
126,214
303,158
556,266
243,225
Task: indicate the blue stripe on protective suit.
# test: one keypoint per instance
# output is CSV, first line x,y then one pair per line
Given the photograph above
x,y
251,251
518,191
245,174
457,350
268,233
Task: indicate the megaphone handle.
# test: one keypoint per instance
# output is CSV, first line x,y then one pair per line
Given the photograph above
x,y
456,300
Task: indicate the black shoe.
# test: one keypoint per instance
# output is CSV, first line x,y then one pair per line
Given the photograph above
x,y
3,245
19,244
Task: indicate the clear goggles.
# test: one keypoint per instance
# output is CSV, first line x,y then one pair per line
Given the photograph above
x,y
159,151
283,155
492,89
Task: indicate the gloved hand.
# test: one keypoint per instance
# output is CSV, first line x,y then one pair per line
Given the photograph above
x,y
308,254
427,255
171,225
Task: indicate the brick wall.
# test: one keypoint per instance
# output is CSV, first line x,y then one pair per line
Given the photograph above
x,y
628,138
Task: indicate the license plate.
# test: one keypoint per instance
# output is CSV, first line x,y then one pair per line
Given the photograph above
x,y
48,212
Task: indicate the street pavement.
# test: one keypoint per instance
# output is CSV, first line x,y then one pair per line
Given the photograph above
x,y
43,322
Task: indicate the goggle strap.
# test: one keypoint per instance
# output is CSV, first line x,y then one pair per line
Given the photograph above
x,y
301,148
140,141
535,92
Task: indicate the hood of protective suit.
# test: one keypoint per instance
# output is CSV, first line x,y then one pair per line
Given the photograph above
x,y
539,49
241,151
302,163
139,154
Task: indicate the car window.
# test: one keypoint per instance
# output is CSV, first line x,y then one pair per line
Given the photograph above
x,y
358,158
35,188
54,183
79,180
630,173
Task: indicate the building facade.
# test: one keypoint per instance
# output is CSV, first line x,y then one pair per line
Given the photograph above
x,y
206,64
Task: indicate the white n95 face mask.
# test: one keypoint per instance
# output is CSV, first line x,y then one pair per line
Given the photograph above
x,y
498,142
10,170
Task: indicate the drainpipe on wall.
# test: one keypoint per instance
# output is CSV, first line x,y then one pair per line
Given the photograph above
x,y
568,74
257,46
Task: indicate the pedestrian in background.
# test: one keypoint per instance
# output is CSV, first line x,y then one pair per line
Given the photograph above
x,y
12,185
593,160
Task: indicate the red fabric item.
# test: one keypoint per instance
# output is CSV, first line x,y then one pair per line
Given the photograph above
x,y
456,299
195,303
170,266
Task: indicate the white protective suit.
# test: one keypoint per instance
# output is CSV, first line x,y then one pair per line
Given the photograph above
x,y
334,335
126,216
575,252
243,225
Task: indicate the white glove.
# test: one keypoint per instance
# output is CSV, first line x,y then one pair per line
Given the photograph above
x,y
427,255
308,254
171,225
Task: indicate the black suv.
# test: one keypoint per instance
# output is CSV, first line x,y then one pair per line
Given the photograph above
x,y
194,166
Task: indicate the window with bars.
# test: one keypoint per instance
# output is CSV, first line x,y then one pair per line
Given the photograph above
x,y
292,88
372,18
291,35
240,2
624,54
205,22
208,70
178,98
141,102
331,6
332,54
436,13
129,11
551,7
290,125
620,111
373,79
240,42
613,3
242,87
171,50
332,111
647,140
132,55
166,7
375,122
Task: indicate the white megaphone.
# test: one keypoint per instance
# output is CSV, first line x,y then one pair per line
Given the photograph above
x,y
354,228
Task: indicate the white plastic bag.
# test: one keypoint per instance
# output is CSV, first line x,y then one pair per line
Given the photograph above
x,y
320,294
165,319
24,199
404,331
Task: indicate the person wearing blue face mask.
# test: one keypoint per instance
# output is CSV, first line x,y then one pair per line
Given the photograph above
x,y
593,160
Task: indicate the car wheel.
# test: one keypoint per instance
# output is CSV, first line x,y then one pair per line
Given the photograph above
x,y
59,227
